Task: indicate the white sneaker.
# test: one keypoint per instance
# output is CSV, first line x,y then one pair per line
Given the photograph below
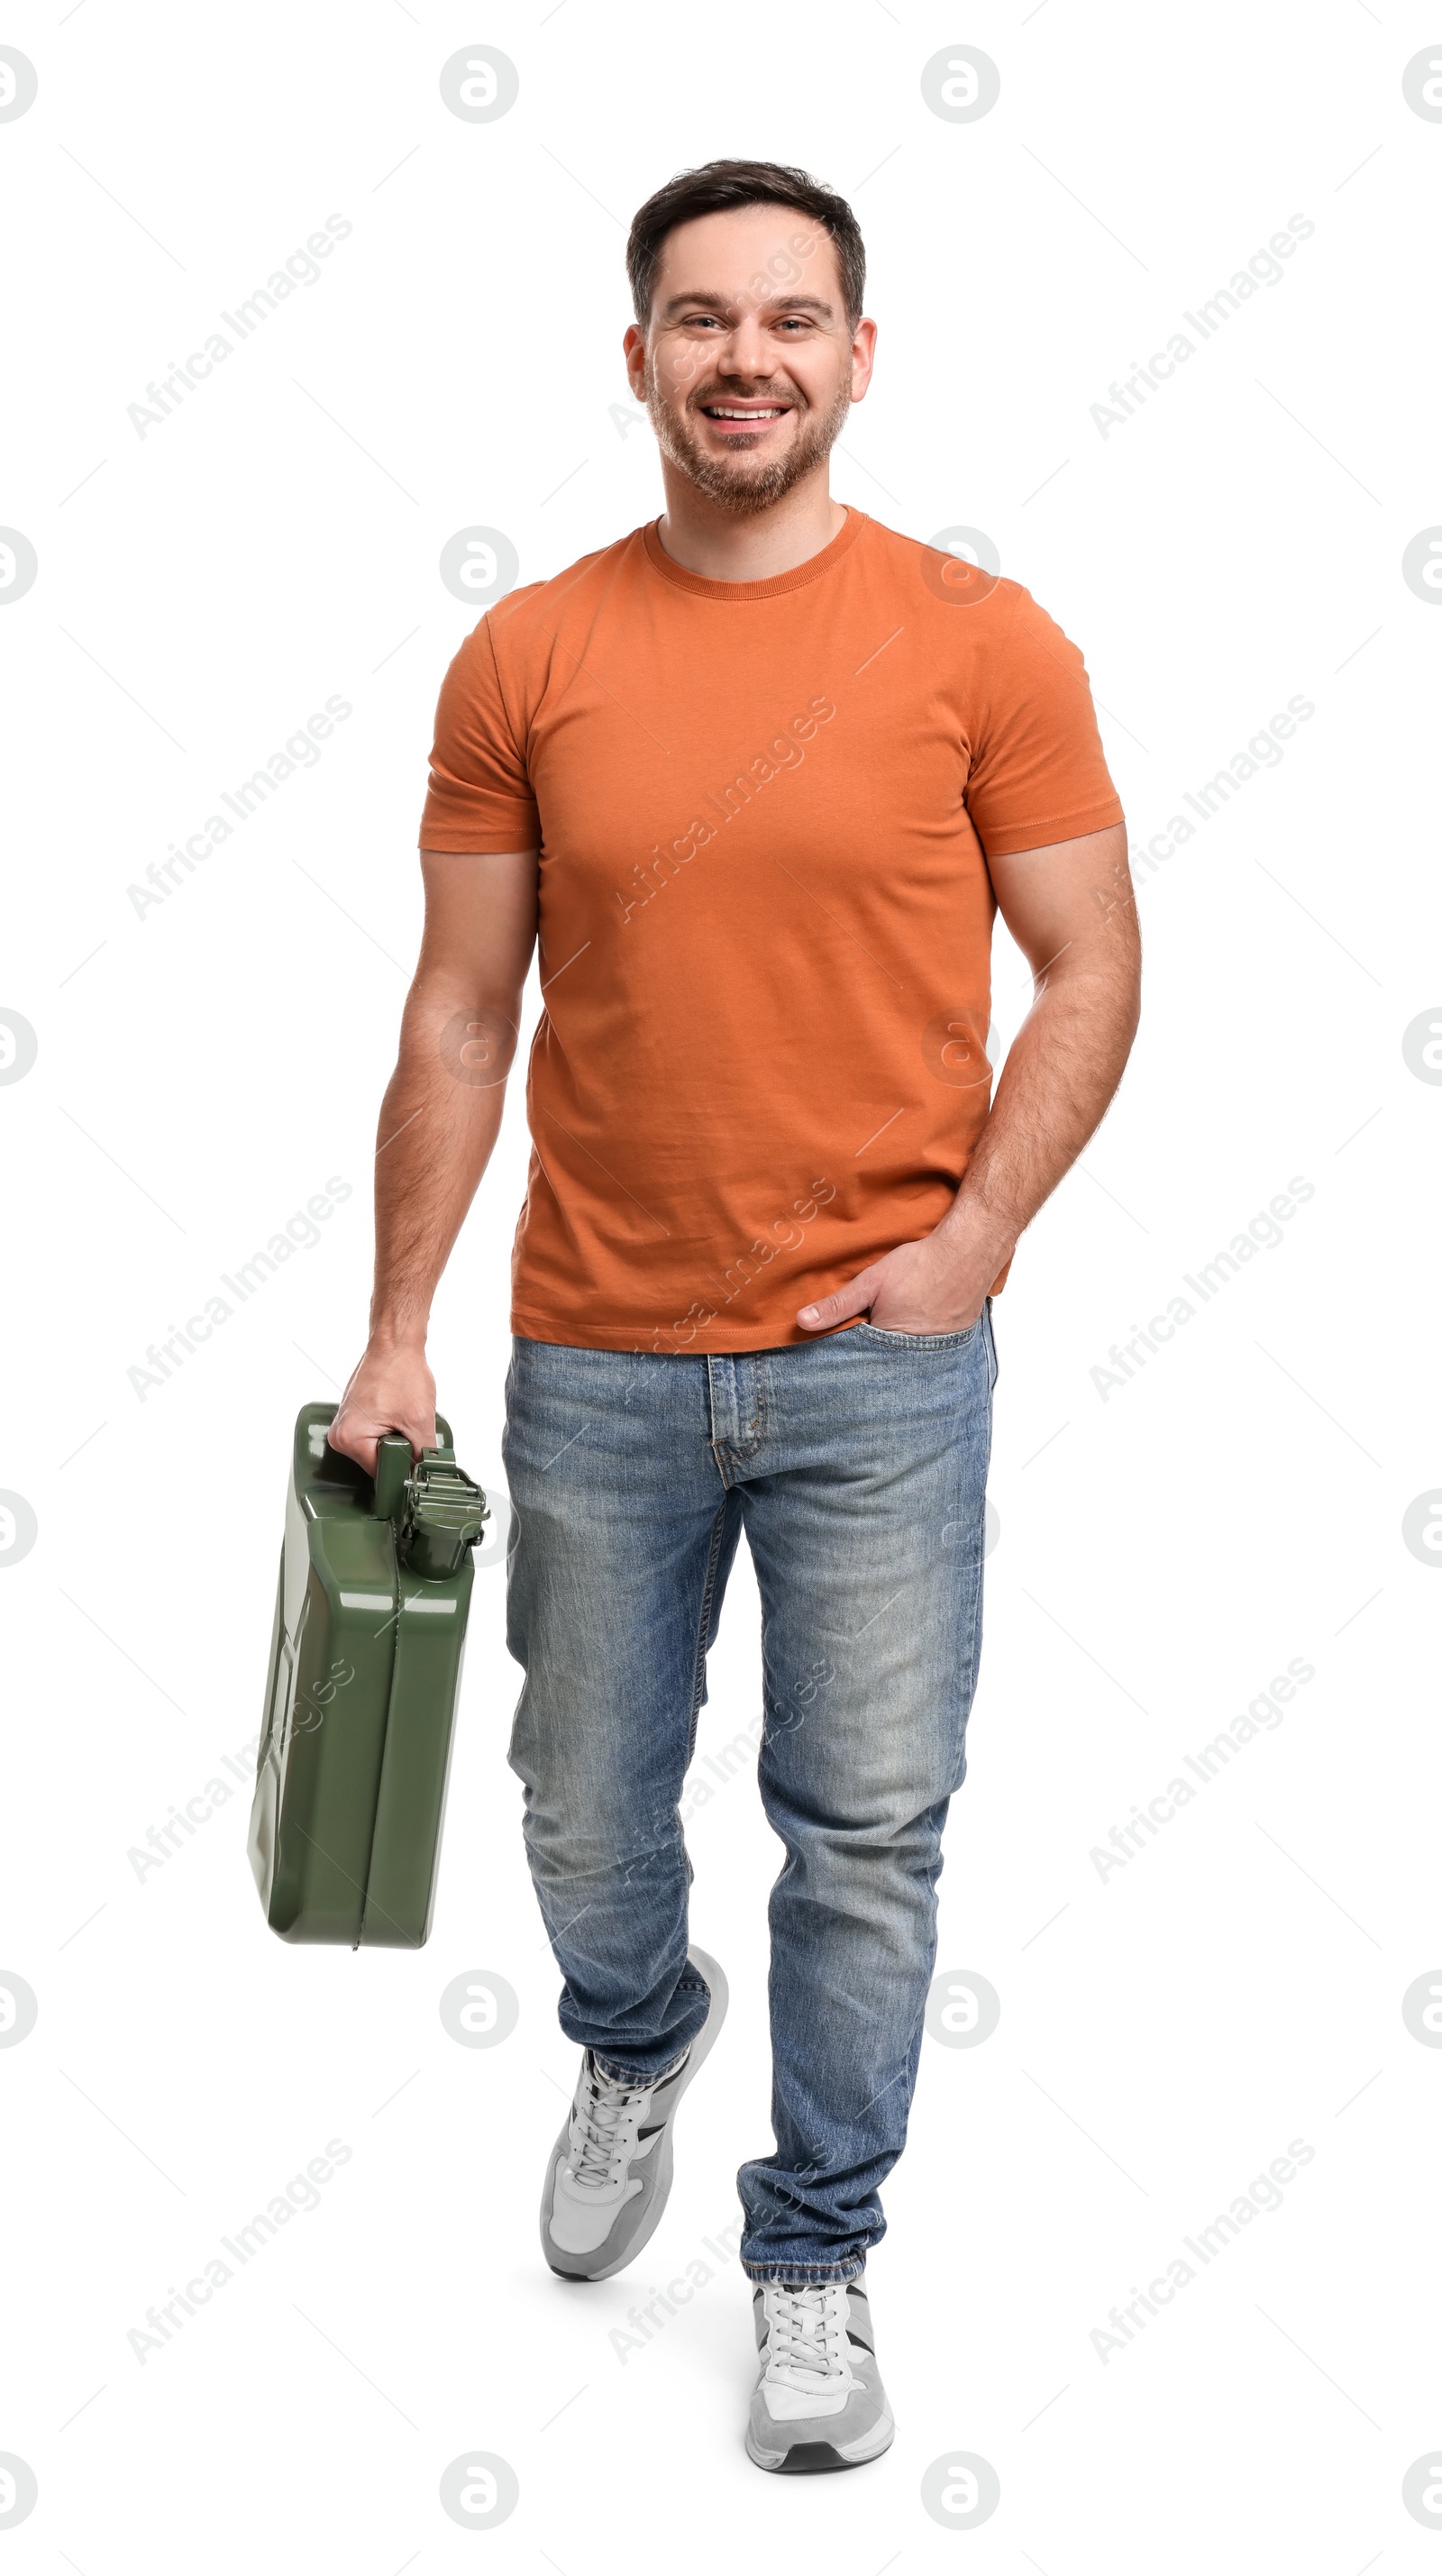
x,y
610,2171
819,2402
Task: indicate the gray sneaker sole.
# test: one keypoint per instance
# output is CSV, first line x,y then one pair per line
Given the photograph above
x,y
645,2211
815,2455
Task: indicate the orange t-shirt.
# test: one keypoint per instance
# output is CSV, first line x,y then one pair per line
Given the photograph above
x,y
762,810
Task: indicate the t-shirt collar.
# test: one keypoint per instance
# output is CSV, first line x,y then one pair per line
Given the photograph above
x,y
730,592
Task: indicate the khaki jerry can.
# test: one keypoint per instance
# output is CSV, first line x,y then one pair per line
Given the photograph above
x,y
365,1669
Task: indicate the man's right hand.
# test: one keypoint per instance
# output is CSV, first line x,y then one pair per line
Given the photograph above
x,y
391,1390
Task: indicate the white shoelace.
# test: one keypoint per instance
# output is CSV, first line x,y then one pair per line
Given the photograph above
x,y
808,2332
604,2122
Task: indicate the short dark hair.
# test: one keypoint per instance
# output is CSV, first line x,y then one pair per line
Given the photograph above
x,y
714,189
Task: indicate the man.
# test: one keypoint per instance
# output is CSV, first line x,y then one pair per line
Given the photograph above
x,y
760,774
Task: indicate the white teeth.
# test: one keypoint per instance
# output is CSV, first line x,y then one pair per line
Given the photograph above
x,y
718,412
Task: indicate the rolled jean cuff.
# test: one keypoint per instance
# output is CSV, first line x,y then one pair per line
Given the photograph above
x,y
816,2276
627,2075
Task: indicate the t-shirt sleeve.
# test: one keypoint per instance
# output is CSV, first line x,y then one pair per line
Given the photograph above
x,y
479,796
1038,772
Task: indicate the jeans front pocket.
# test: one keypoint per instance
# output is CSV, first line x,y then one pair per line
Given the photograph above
x,y
922,1341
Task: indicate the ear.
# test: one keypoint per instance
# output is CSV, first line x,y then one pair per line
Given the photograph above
x,y
863,357
633,346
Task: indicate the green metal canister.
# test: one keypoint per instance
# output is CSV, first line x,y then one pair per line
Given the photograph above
x,y
365,1669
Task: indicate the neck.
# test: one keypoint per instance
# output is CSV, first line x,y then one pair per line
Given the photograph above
x,y
726,545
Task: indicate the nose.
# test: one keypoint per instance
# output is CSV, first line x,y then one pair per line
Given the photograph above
x,y
746,351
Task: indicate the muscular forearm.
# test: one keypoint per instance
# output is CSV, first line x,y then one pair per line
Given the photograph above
x,y
1060,1074
438,1123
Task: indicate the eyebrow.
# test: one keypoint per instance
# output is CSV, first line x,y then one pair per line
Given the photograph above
x,y
722,304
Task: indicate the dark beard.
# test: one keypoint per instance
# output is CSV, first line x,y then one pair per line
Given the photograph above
x,y
746,494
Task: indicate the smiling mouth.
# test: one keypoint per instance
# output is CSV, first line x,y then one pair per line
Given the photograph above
x,y
735,416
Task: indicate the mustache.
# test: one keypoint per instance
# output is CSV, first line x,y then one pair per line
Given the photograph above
x,y
786,394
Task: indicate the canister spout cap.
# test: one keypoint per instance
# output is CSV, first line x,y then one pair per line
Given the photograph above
x,y
437,1510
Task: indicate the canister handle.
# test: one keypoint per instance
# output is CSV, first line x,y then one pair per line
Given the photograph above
x,y
393,1467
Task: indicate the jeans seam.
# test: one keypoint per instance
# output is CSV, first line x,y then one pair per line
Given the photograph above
x,y
729,1453
703,1633
720,1449
974,1632
759,1378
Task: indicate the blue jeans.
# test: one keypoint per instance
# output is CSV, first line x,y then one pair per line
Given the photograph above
x,y
856,1465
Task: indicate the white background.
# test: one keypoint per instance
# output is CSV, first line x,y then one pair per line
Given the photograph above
x,y
203,1069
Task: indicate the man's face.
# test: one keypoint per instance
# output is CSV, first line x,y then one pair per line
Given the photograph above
x,y
749,366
